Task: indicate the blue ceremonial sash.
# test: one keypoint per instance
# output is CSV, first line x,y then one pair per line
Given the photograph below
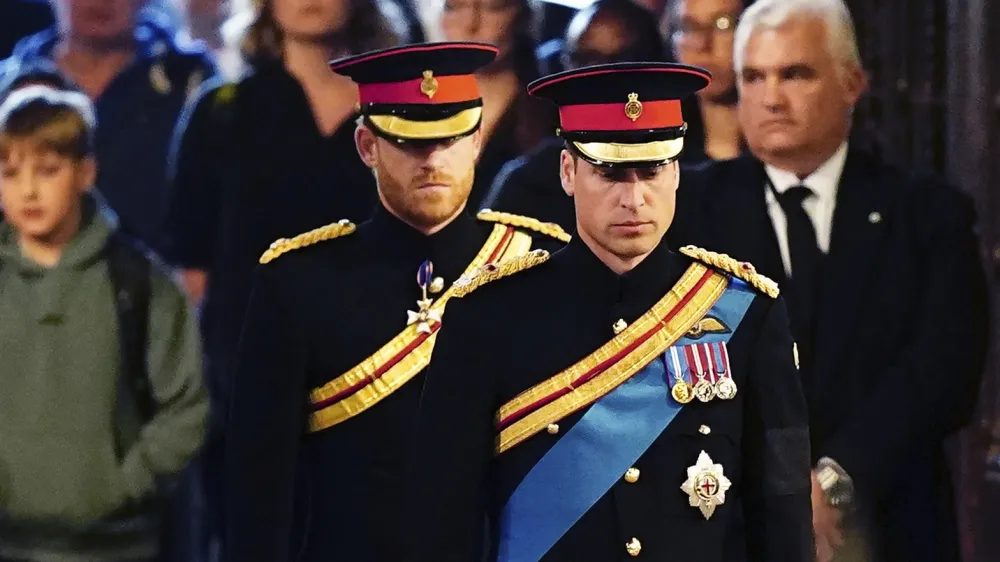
x,y
610,437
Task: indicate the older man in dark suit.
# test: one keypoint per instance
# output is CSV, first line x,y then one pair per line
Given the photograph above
x,y
886,289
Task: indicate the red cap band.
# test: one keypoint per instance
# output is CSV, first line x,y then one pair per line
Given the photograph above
x,y
446,89
658,114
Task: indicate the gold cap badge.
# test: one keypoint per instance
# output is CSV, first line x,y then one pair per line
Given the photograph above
x,y
633,109
429,85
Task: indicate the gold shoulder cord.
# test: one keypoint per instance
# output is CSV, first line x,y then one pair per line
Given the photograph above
x,y
321,234
493,271
743,270
550,229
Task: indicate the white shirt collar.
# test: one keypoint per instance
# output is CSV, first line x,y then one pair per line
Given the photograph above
x,y
824,181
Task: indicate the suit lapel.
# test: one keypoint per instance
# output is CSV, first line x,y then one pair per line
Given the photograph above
x,y
750,234
856,240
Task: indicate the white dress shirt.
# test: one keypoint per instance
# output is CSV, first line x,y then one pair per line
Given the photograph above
x,y
819,206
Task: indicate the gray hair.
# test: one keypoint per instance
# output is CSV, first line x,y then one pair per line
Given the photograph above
x,y
770,14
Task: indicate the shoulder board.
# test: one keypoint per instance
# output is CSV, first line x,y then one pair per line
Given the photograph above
x,y
493,271
321,234
743,270
547,228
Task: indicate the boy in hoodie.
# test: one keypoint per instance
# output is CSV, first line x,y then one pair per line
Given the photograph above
x,y
84,453
127,57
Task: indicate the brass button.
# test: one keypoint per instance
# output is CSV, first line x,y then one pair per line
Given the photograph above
x,y
553,428
634,547
619,326
632,475
437,285
704,430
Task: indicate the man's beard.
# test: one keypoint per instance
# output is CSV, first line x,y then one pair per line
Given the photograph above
x,y
424,209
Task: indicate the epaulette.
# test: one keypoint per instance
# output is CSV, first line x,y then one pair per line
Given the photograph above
x,y
743,270
321,234
547,228
493,271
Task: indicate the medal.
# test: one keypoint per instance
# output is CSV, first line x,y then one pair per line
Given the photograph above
x,y
725,387
424,318
704,390
706,485
681,390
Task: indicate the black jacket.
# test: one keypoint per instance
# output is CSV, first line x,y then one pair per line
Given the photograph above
x,y
900,332
335,492
514,333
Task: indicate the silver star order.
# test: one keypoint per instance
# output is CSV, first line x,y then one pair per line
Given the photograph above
x,y
424,318
706,485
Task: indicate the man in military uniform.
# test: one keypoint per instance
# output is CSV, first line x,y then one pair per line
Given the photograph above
x,y
343,320
616,400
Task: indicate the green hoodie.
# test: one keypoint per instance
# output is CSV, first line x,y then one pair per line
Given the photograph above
x,y
61,464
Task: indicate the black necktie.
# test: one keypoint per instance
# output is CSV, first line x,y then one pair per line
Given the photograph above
x,y
806,257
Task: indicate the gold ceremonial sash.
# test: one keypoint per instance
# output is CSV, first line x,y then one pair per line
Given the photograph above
x,y
615,362
398,361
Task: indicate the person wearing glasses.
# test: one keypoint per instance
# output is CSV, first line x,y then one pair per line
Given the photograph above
x,y
700,33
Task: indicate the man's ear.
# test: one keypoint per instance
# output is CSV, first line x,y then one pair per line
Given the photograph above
x,y
855,84
367,144
567,171
477,138
86,174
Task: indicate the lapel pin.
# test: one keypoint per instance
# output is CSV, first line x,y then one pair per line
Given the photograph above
x,y
875,217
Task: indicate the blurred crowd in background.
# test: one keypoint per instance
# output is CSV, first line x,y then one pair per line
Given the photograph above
x,y
220,128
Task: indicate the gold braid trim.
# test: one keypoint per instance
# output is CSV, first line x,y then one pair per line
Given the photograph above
x,y
493,271
743,270
550,229
321,234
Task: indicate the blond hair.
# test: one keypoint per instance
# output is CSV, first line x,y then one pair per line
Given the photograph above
x,y
53,120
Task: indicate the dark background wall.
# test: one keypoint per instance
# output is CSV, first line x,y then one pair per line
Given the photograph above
x,y
934,67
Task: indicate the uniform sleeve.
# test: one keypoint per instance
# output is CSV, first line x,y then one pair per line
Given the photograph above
x,y
446,486
169,440
907,405
777,504
266,424
195,176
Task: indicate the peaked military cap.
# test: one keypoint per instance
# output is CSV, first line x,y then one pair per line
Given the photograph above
x,y
422,92
623,114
